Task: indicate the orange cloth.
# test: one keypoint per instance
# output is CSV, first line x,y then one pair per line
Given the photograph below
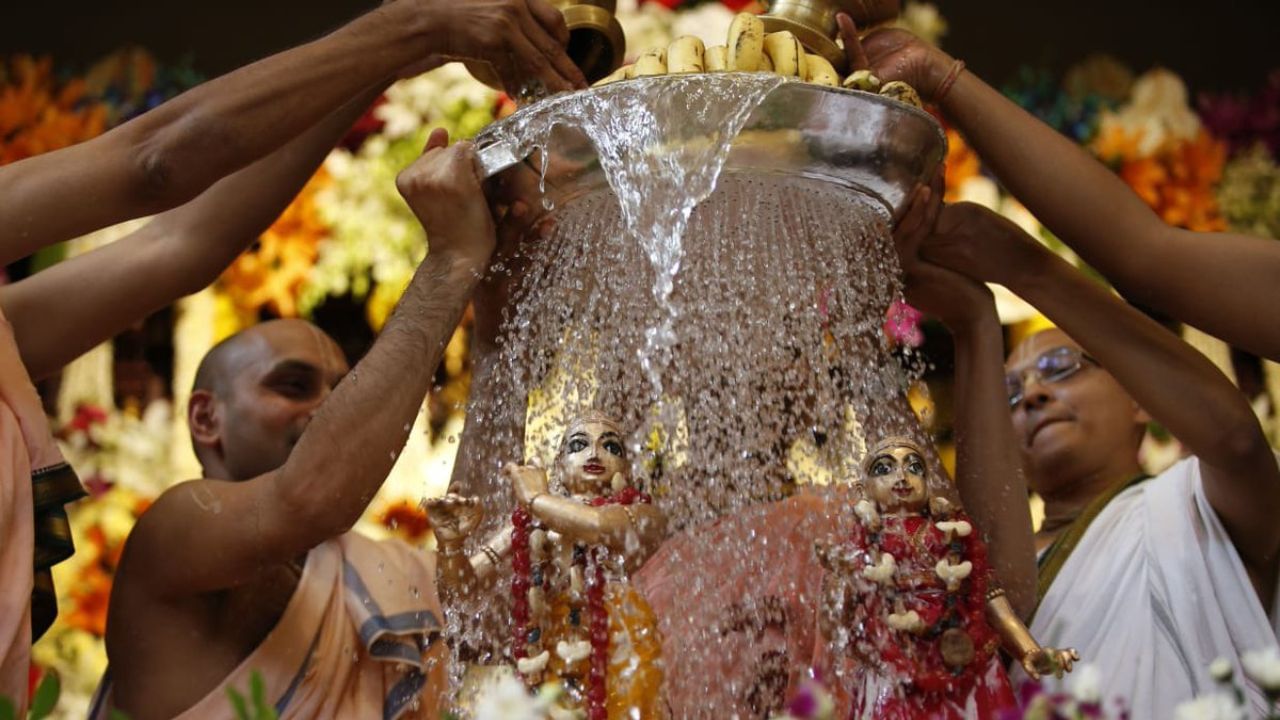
x,y
34,482
360,638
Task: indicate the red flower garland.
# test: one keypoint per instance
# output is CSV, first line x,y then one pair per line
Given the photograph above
x,y
522,523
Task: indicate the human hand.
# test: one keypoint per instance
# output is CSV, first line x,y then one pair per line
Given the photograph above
x,y
527,482
442,188
895,54
980,243
942,291
523,41
453,517
1049,661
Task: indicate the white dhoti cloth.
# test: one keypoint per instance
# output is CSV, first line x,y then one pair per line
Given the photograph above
x,y
1153,594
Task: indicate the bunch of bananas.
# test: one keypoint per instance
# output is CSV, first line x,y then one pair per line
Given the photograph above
x,y
750,49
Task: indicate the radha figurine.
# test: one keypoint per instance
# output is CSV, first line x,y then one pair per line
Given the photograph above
x,y
576,619
910,614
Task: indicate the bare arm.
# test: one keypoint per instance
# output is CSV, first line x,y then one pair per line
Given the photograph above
x,y
608,525
988,469
1178,386
97,295
171,154
349,447
1094,212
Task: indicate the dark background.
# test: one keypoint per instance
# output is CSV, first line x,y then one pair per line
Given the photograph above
x,y
1227,45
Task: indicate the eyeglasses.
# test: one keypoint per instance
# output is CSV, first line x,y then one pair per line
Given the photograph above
x,y
1052,366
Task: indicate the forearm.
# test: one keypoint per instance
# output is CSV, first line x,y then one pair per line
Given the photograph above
x,y
1178,386
988,469
180,252
352,443
608,525
1015,638
174,152
1094,212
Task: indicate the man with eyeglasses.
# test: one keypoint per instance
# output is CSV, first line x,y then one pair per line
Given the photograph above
x,y
1151,579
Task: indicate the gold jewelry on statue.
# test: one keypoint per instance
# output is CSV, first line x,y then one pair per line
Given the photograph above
x,y
490,553
994,592
630,515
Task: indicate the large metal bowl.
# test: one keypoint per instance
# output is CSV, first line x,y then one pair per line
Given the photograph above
x,y
859,140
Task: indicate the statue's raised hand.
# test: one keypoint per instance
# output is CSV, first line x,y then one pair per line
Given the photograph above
x,y
527,482
453,517
1049,661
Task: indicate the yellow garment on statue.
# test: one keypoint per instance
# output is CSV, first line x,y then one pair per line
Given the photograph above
x,y
634,676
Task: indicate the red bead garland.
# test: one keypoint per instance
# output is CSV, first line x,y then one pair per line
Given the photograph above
x,y
521,521
522,524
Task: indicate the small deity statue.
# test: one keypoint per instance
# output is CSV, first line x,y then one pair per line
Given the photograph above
x,y
576,619
910,612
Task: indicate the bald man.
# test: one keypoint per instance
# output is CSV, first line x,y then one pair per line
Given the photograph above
x,y
253,567
1153,579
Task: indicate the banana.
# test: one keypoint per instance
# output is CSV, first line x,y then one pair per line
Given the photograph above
x,y
820,72
746,43
684,55
901,92
862,80
766,65
615,76
716,58
786,52
651,63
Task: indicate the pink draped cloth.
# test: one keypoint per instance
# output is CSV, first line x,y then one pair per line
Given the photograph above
x,y
360,638
33,479
735,602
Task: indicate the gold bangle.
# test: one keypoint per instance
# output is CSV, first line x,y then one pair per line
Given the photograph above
x,y
630,515
945,86
994,592
490,553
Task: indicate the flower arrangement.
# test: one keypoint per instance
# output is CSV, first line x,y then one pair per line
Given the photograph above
x,y
270,274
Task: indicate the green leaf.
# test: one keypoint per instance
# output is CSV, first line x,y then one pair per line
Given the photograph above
x,y
237,702
46,697
7,710
261,709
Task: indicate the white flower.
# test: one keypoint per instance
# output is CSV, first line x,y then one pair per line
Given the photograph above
x,y
1158,113
882,571
1263,667
1085,684
923,20
866,512
535,664
1221,670
573,652
960,527
1218,706
505,698
908,621
953,574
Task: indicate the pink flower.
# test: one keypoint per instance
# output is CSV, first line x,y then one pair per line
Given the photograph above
x,y
902,324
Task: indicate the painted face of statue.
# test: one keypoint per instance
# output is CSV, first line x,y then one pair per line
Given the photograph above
x,y
896,478
591,454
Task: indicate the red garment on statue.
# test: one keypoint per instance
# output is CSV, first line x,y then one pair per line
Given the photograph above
x,y
897,674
